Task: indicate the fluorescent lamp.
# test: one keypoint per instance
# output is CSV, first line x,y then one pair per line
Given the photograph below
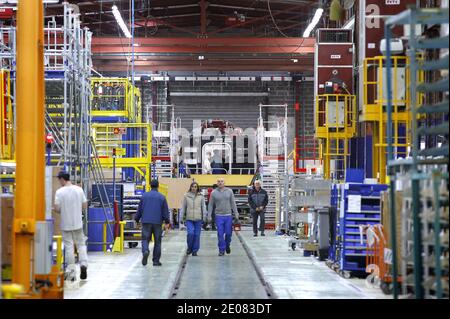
x,y
120,21
313,23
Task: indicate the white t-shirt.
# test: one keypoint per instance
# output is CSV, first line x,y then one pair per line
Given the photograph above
x,y
70,199
206,166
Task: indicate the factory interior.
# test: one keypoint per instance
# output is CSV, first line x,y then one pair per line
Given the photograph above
x,y
224,149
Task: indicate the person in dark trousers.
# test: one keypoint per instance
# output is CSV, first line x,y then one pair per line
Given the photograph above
x,y
153,210
258,200
213,216
194,208
222,202
217,164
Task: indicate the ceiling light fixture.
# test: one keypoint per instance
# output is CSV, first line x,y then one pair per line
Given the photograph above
x,y
313,23
120,21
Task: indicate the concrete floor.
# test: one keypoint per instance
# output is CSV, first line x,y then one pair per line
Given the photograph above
x,y
208,276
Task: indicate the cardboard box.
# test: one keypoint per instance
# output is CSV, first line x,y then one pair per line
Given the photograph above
x,y
177,187
55,186
7,219
386,221
311,246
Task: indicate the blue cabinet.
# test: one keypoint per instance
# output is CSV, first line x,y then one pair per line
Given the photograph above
x,y
366,211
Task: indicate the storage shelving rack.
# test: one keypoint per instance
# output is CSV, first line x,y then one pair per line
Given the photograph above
x,y
334,252
426,267
68,69
353,251
132,234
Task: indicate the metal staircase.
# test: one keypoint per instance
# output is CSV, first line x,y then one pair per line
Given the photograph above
x,y
272,178
165,147
96,172
272,155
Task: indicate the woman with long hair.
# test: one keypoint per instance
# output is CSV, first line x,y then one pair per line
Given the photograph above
x,y
194,209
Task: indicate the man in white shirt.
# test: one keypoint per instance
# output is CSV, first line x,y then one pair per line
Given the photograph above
x,y
207,163
70,201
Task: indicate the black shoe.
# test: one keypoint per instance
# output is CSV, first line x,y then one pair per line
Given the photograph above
x,y
145,258
255,235
157,264
188,252
262,234
228,250
213,228
221,253
83,274
194,254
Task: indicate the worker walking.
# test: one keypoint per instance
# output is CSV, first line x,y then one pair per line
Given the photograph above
x,y
194,208
212,217
258,200
70,201
223,204
153,210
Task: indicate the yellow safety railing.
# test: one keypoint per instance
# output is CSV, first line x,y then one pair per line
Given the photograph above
x,y
115,136
59,252
335,120
10,291
375,103
130,153
6,118
115,97
118,243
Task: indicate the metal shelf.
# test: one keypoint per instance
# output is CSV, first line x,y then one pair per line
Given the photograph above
x,y
426,168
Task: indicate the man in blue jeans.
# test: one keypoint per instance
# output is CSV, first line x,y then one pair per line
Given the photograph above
x,y
153,210
223,204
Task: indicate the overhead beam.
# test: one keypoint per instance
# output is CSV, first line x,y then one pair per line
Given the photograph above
x,y
114,67
203,7
257,19
199,42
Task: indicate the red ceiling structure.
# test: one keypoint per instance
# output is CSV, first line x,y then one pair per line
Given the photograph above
x,y
199,35
207,54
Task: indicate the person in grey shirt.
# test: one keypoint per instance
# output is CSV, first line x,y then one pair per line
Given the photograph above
x,y
223,204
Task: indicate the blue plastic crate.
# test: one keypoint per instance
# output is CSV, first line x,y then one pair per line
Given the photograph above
x,y
353,237
371,207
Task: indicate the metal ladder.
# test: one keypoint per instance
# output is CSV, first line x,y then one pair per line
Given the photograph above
x,y
272,175
96,172
52,127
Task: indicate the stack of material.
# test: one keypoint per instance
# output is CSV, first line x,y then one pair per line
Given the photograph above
x,y
386,221
55,186
7,218
176,188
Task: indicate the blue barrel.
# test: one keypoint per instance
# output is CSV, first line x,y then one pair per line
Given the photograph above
x,y
96,217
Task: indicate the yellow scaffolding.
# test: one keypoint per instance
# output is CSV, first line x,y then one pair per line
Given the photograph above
x,y
115,97
335,124
130,153
6,118
374,108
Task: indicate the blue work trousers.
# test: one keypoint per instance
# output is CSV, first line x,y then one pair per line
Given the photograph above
x,y
224,226
194,228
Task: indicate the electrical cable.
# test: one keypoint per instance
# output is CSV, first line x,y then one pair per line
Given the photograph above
x,y
273,20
